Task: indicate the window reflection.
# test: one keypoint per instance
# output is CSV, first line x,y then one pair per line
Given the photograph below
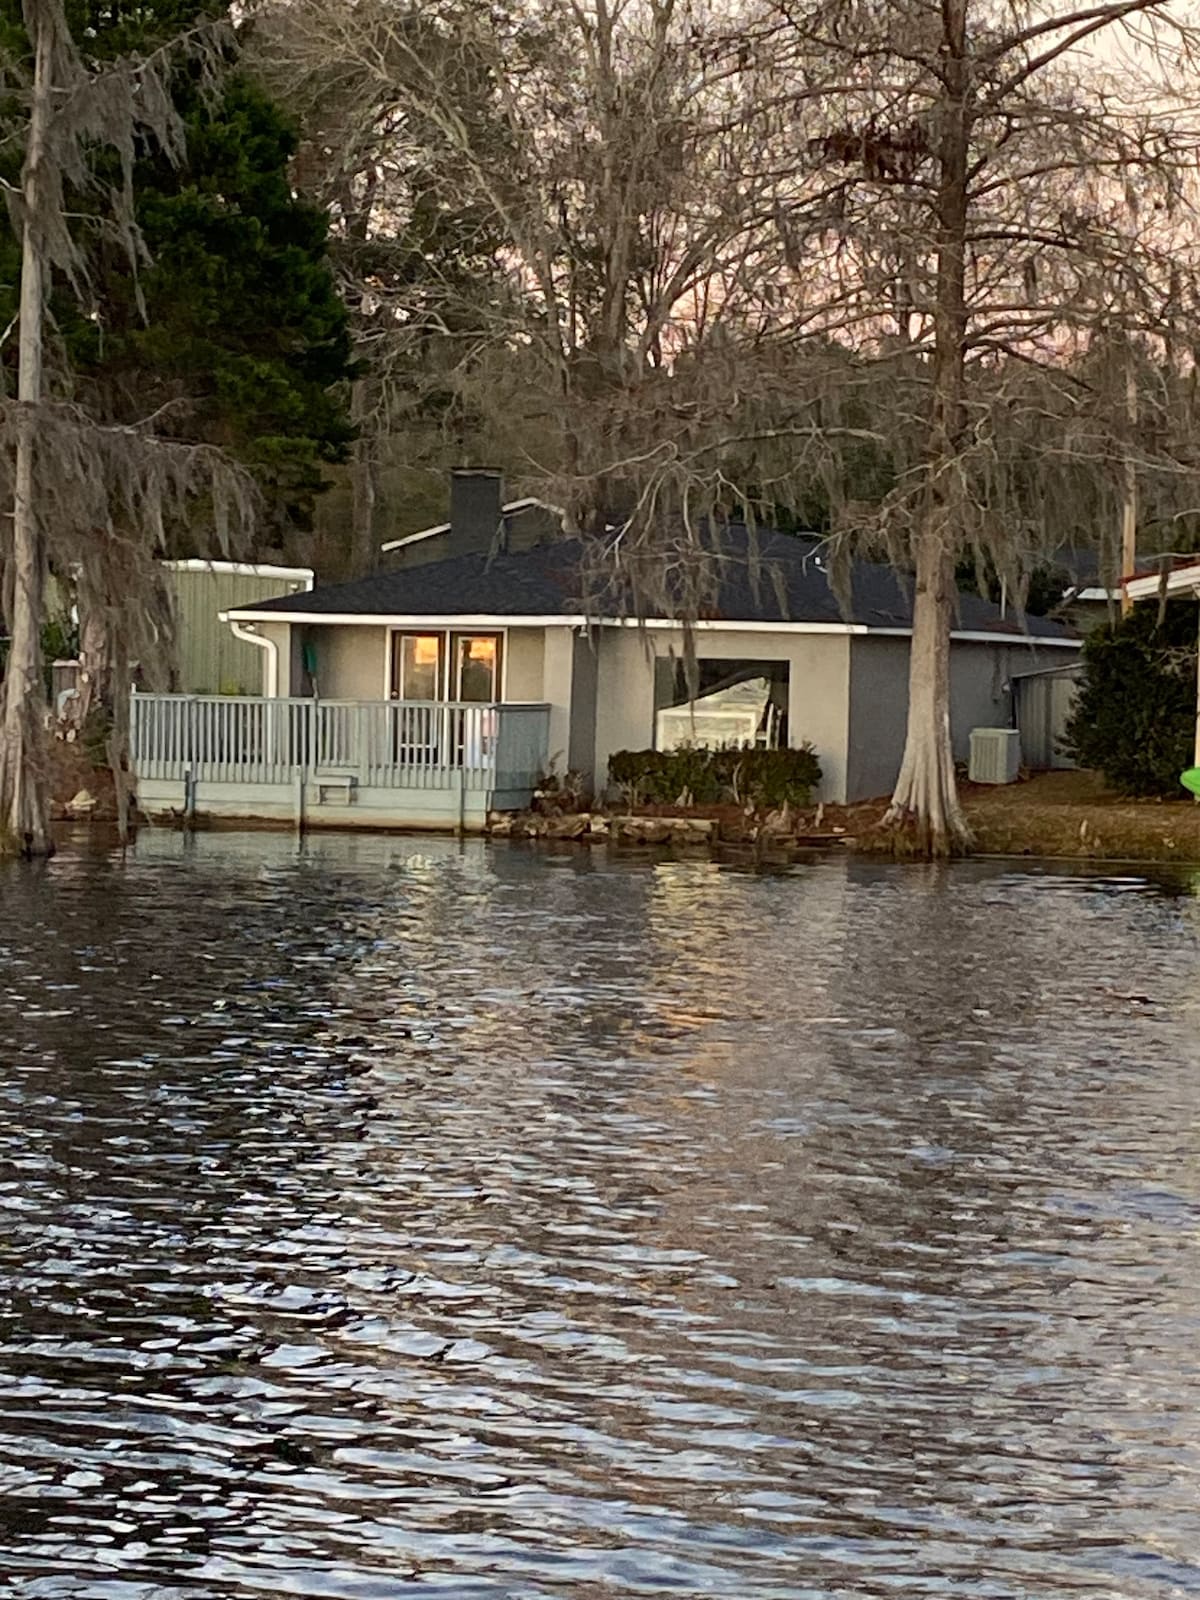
x,y
417,666
478,667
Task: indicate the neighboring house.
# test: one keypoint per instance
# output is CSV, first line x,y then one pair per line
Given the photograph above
x,y
778,659
207,655
1045,699
1089,597
1180,582
1096,595
480,519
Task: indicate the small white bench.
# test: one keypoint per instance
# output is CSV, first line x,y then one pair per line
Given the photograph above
x,y
342,785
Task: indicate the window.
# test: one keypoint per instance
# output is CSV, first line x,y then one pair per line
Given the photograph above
x,y
736,703
417,666
441,666
477,667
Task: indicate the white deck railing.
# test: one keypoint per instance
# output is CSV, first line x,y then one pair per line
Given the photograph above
x,y
387,744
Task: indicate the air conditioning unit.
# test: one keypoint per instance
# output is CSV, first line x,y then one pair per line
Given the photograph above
x,y
995,755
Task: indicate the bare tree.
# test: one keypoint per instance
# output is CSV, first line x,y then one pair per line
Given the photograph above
x,y
416,254
731,249
94,499
1017,194
614,168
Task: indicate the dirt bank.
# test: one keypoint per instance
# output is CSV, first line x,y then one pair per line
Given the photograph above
x,y
71,773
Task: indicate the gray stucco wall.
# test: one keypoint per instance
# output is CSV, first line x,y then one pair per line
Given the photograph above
x,y
980,697
585,675
848,693
878,715
818,702
352,662
558,672
525,664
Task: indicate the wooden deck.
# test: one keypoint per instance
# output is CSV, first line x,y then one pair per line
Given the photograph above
x,y
342,763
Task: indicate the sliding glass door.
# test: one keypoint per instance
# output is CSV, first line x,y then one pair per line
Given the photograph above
x,y
433,669
418,669
439,666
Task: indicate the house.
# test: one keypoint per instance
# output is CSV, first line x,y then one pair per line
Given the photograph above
x,y
480,518
1088,598
465,675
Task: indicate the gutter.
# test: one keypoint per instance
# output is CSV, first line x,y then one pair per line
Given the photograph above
x,y
263,643
1047,672
244,569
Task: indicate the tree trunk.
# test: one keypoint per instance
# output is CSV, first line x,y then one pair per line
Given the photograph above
x,y
364,555
925,805
95,666
118,735
925,808
24,807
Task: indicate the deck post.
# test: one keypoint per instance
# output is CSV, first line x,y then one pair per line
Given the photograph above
x,y
362,744
299,801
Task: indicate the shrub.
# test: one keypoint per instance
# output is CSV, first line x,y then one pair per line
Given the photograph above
x,y
561,794
769,779
662,777
765,779
1134,717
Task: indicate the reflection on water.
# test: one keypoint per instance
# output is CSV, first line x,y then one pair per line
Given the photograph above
x,y
398,1219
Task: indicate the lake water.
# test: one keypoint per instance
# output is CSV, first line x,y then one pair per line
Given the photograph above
x,y
397,1219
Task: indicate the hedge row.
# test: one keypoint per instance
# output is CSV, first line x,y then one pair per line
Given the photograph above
x,y
761,778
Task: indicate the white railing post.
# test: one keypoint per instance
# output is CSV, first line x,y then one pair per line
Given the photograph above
x,y
358,744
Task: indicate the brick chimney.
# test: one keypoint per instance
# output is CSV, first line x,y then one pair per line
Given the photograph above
x,y
476,501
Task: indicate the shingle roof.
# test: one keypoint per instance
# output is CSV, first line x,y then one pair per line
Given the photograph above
x,y
771,578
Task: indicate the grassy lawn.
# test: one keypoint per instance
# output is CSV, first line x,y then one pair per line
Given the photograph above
x,y
1073,814
1065,814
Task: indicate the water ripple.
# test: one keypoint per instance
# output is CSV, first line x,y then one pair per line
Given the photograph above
x,y
380,1222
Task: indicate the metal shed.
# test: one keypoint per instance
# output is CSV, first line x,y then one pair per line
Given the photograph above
x,y
1042,706
209,659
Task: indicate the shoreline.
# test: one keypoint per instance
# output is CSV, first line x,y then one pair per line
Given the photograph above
x,y
1056,816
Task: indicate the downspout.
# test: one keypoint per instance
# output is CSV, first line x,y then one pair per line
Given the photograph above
x,y
273,731
263,643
